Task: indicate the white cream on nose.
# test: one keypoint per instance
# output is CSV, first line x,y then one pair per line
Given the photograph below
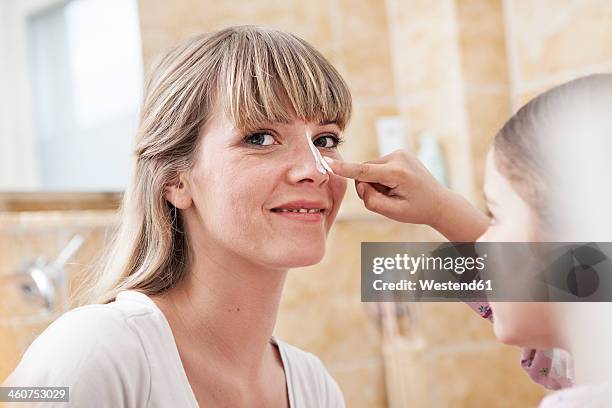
x,y
322,165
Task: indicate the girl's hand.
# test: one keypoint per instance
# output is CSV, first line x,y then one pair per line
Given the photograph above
x,y
399,187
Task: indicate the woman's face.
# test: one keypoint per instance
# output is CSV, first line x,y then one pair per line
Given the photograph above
x,y
247,191
517,323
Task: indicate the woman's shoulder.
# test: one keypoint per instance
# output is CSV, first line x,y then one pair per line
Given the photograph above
x,y
99,328
89,321
310,381
92,349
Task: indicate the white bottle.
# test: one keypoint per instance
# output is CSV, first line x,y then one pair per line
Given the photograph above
x,y
391,134
431,156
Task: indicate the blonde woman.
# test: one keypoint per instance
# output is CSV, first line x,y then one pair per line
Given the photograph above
x,y
224,198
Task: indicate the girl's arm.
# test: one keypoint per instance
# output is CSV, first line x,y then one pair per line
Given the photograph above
x,y
399,187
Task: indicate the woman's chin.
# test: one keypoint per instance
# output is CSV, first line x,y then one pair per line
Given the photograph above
x,y
302,257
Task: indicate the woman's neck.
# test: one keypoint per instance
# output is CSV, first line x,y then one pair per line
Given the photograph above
x,y
226,306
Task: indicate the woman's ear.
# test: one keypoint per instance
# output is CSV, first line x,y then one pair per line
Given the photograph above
x,y
178,194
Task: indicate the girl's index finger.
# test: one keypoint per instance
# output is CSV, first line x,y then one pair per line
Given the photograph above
x,y
368,172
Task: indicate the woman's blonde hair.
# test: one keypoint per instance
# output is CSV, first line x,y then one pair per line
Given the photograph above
x,y
257,76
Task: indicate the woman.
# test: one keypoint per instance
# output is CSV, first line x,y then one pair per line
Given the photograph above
x,y
224,198
545,180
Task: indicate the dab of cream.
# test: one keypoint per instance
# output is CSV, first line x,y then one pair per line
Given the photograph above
x,y
322,165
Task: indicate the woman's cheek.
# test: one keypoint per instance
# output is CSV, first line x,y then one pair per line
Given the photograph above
x,y
338,184
341,187
249,179
338,187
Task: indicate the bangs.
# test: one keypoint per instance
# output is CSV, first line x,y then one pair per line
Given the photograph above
x,y
268,76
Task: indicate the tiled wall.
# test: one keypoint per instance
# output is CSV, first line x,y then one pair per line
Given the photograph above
x,y
24,237
457,68
550,43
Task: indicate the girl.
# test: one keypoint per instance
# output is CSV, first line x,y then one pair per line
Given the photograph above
x,y
530,197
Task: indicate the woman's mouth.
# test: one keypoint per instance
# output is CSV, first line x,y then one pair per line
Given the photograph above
x,y
301,211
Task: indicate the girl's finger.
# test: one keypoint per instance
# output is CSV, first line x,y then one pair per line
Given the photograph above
x,y
359,186
374,173
373,199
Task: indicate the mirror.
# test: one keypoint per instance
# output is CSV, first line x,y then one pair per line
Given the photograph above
x,y
71,78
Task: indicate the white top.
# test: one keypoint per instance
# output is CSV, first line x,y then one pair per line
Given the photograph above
x,y
123,354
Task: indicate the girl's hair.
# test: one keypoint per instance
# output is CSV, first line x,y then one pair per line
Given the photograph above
x,y
256,76
527,149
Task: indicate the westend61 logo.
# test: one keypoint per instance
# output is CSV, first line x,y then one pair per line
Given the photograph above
x,y
494,271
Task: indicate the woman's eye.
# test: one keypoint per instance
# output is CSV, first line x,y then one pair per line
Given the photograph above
x,y
260,139
327,141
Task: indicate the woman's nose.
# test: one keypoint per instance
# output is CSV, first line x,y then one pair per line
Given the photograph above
x,y
304,166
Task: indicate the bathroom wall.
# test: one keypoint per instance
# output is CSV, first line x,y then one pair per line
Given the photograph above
x,y
457,68
25,237
420,60
550,43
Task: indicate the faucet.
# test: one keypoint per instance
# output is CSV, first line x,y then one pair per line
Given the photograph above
x,y
40,280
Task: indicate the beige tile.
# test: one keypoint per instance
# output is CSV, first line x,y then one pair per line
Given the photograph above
x,y
424,46
440,111
11,250
551,37
408,378
360,137
363,384
40,244
459,170
16,338
488,377
482,44
481,143
15,303
481,374
87,261
452,323
487,112
364,44
9,350
166,23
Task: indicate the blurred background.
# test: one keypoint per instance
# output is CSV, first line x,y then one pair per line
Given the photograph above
x,y
437,77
